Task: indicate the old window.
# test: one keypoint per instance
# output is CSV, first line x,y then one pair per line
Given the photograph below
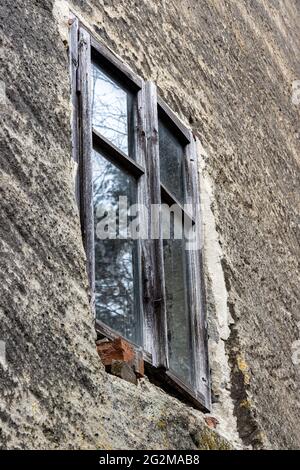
x,y
137,191
173,194
115,176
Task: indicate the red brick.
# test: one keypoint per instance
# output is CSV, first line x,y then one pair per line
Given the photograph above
x,y
211,421
118,350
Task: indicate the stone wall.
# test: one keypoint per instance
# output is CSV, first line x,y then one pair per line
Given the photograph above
x,y
227,69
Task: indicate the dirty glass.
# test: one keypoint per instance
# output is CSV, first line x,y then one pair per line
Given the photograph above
x,y
171,161
116,267
178,321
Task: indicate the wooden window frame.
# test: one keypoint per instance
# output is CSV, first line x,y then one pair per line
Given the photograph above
x,y
146,170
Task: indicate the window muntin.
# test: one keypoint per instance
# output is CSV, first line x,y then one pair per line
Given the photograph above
x,y
116,256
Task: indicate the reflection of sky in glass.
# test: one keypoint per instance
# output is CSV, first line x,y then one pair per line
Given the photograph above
x,y
115,284
110,109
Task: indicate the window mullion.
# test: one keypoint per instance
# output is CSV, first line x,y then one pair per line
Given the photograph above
x,y
144,198
156,280
196,285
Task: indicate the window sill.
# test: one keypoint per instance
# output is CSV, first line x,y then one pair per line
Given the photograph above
x,y
164,379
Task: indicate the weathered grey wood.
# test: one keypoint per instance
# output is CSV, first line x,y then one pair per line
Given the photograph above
x,y
119,66
85,131
73,64
116,155
180,127
136,167
171,383
145,242
196,283
191,395
170,200
156,272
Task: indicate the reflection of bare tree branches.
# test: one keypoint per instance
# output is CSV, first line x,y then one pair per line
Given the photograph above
x,y
114,258
109,105
99,180
171,165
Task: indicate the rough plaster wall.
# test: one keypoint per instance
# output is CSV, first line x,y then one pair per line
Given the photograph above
x,y
218,314
227,67
54,392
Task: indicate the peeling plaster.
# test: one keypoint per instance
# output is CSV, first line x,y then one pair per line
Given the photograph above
x,y
223,409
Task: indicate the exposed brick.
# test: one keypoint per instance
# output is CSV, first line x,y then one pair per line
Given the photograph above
x,y
118,350
211,421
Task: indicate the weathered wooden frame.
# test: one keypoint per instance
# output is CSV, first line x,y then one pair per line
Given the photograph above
x,y
146,170
201,390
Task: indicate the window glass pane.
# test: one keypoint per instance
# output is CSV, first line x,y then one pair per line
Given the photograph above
x,y
116,266
112,110
179,332
171,161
